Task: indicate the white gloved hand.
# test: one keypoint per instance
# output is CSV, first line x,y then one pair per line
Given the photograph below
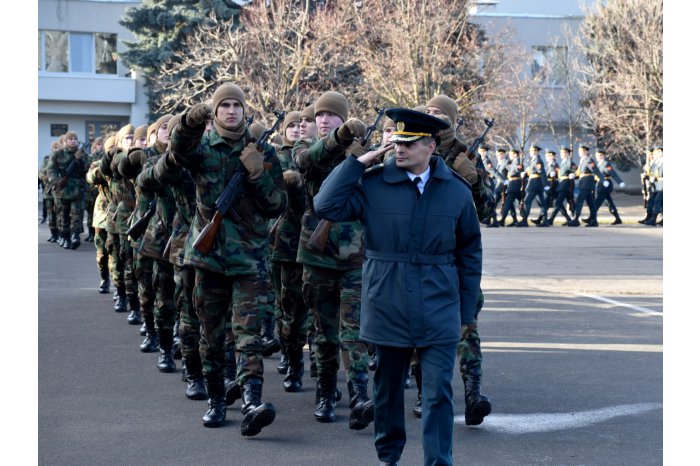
x,y
552,174
652,179
546,188
606,183
505,183
571,176
622,185
522,175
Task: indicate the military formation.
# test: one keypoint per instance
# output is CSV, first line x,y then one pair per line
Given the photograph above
x,y
204,225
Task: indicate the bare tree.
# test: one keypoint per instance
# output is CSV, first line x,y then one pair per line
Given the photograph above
x,y
623,80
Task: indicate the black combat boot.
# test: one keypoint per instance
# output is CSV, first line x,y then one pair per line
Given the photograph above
x,y
538,219
150,343
66,240
256,414
91,235
270,344
642,221
652,220
120,305
522,223
196,388
617,220
326,398
478,406
166,363
135,314
544,223
232,389
143,330
295,371
74,241
418,406
54,236
216,413
104,282
574,222
592,222
284,360
361,406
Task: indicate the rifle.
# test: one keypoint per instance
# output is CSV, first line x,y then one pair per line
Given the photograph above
x,y
460,122
234,188
62,182
166,250
319,237
139,228
249,121
473,149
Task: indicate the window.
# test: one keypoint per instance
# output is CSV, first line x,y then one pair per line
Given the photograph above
x,y
549,64
94,129
77,52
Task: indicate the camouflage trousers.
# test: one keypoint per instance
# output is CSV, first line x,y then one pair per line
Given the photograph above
x,y
164,286
287,280
143,272
71,216
189,322
89,208
468,348
115,262
245,296
333,296
271,310
126,253
101,251
51,212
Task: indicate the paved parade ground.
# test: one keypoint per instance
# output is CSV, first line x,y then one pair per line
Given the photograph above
x,y
572,340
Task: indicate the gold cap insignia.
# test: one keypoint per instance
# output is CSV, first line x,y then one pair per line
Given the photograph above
x,y
400,126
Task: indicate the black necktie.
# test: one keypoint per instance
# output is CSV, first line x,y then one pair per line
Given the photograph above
x,y
416,180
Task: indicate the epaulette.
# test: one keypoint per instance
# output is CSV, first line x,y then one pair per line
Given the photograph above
x,y
374,168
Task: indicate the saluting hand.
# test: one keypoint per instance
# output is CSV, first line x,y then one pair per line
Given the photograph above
x,y
370,157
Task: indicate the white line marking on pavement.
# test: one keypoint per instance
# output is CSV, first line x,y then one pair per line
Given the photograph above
x,y
549,422
639,348
618,303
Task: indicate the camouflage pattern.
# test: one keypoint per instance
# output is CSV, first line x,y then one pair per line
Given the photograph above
x,y
48,193
97,181
334,298
126,253
189,322
164,284
155,238
344,249
469,346
213,295
91,191
126,197
130,171
143,273
294,314
105,168
59,162
101,252
213,161
70,214
484,198
115,258
285,235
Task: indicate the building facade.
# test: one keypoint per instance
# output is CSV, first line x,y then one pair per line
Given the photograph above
x,y
83,86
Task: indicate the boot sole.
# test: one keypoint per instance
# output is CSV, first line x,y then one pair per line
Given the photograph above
x,y
477,414
197,396
365,418
254,422
213,423
166,370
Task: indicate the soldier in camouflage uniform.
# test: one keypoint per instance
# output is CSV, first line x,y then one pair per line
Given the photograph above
x,y
92,192
454,152
181,183
228,274
48,195
117,216
332,274
66,171
285,272
95,179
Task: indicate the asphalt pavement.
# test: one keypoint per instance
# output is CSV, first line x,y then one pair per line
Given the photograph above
x,y
571,334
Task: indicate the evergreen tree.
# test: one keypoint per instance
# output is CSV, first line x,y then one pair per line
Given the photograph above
x,y
161,28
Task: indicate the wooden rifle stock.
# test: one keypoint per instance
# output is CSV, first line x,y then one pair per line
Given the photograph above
x,y
205,241
139,228
319,237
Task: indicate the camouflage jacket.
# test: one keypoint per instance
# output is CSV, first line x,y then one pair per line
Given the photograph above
x,y
484,198
164,172
239,246
123,192
284,236
153,242
96,180
92,192
59,167
344,249
44,177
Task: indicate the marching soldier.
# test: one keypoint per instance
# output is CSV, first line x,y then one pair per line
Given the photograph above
x,y
604,187
647,186
656,179
92,191
550,189
95,179
332,267
536,176
586,187
66,171
566,172
513,190
228,274
48,195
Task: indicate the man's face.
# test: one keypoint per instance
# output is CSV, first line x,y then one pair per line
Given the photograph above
x,y
327,122
230,113
550,157
658,153
565,154
483,153
386,134
599,157
307,128
512,155
140,142
293,131
582,153
534,152
414,156
72,142
501,155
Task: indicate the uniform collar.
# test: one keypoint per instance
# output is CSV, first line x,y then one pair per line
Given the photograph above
x,y
438,169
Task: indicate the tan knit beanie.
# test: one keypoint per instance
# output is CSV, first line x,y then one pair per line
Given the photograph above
x,y
387,123
140,131
227,91
291,117
109,143
333,102
308,112
446,104
152,128
125,131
